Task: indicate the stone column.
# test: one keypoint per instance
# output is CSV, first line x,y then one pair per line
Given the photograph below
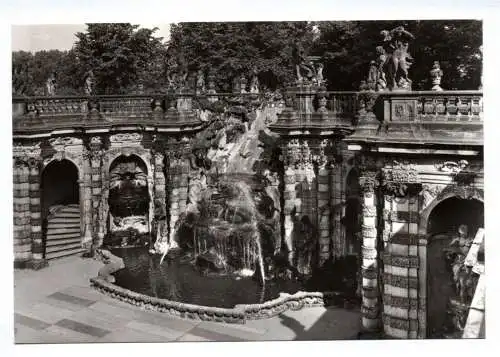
x,y
86,202
183,184
22,217
96,184
337,198
370,294
37,248
324,211
159,197
174,170
400,267
290,203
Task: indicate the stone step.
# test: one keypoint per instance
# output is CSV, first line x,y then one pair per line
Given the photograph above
x,y
63,236
63,241
55,231
52,226
63,247
66,213
69,219
63,253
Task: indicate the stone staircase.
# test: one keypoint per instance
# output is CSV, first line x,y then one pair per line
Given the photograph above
x,y
63,232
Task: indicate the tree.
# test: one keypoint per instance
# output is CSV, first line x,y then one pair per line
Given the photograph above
x,y
348,46
22,73
229,50
118,54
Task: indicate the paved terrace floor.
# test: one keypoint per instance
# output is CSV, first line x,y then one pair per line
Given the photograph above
x,y
57,305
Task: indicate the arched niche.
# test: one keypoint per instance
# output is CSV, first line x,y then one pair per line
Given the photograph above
x,y
444,220
129,199
59,185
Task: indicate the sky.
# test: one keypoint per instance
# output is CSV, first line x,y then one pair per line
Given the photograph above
x,y
58,37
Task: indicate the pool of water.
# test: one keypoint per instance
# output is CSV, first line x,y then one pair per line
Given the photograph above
x,y
177,279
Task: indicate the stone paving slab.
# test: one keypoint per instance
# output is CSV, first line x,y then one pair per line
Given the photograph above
x,y
192,338
44,312
82,328
100,320
61,334
30,322
131,335
57,305
170,334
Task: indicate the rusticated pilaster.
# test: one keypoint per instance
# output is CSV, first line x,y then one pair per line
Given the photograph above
x,y
370,287
37,248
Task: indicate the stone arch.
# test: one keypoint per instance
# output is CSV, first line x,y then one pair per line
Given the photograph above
x,y
140,153
445,194
60,157
443,218
60,206
67,165
137,183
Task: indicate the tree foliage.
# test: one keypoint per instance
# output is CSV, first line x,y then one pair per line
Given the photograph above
x,y
229,50
348,46
123,55
30,72
120,55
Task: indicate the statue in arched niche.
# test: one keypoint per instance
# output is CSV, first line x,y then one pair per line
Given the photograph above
x,y
304,244
461,274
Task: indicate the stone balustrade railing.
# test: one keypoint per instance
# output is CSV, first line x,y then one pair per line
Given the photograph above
x,y
342,104
318,107
432,106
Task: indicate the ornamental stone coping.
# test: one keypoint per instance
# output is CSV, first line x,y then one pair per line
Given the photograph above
x,y
238,314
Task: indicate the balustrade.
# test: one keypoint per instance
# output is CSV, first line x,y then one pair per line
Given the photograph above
x,y
444,106
325,109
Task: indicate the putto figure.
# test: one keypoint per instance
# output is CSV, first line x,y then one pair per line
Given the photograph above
x,y
254,83
51,84
200,82
89,83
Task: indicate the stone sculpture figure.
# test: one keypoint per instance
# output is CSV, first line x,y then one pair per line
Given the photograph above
x,y
304,67
51,84
381,60
112,264
319,74
200,82
254,83
459,247
373,76
181,73
89,83
398,59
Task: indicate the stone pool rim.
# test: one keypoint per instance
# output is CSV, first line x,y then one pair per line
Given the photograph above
x,y
238,314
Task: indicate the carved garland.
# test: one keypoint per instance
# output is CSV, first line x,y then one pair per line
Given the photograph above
x,y
401,180
305,153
